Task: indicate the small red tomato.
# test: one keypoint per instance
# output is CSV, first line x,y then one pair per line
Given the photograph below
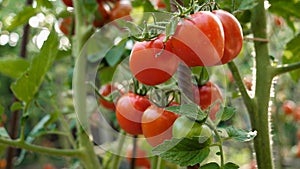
x,y
248,82
106,90
298,150
298,134
207,95
3,163
129,111
150,63
68,3
157,124
199,40
140,160
101,15
121,9
296,113
66,25
49,166
160,4
288,107
233,35
279,22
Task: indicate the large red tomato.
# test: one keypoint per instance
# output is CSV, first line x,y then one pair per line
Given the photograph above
x,y
140,160
129,110
233,35
106,90
199,40
150,63
206,95
157,124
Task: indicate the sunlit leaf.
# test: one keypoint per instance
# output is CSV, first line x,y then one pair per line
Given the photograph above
x,y
22,17
239,134
13,67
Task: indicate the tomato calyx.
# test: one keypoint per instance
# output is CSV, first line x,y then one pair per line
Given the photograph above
x,y
138,88
162,98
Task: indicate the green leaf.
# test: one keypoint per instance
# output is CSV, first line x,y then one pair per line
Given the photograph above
x,y
28,84
62,54
22,17
230,165
13,67
183,152
211,165
1,109
292,55
16,106
239,134
247,5
106,74
3,133
189,110
171,27
146,4
228,113
114,55
44,3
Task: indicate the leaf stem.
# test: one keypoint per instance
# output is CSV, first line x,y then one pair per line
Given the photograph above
x,y
117,157
286,68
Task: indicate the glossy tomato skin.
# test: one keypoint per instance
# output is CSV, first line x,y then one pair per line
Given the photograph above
x,y
206,95
68,3
129,110
150,64
121,9
140,160
157,124
199,40
66,25
184,127
233,35
106,90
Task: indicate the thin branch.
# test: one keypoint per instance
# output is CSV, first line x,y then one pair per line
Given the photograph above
x,y
256,39
286,68
40,149
235,72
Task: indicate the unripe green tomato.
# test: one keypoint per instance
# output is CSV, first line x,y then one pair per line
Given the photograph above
x,y
184,127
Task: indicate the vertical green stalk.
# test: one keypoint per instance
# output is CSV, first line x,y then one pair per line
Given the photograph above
x,y
260,117
82,32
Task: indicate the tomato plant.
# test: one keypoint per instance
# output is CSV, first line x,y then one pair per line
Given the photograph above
x,y
233,35
157,125
199,40
150,63
208,95
129,111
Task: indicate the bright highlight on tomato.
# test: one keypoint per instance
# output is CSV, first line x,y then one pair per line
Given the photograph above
x,y
207,95
129,111
157,125
199,40
233,35
150,63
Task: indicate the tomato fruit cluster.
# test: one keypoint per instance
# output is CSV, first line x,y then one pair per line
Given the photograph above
x,y
203,39
108,10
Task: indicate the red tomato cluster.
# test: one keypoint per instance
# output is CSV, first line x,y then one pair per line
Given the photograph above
x,y
108,10
203,39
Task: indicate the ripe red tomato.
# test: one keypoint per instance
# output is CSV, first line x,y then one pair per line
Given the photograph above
x,y
233,35
66,25
49,166
199,40
279,22
288,107
101,15
160,4
3,163
248,82
298,150
298,134
121,9
150,64
157,124
106,90
140,160
68,3
206,95
129,110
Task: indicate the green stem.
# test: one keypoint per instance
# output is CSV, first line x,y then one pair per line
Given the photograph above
x,y
286,68
155,162
259,116
117,157
39,149
236,75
